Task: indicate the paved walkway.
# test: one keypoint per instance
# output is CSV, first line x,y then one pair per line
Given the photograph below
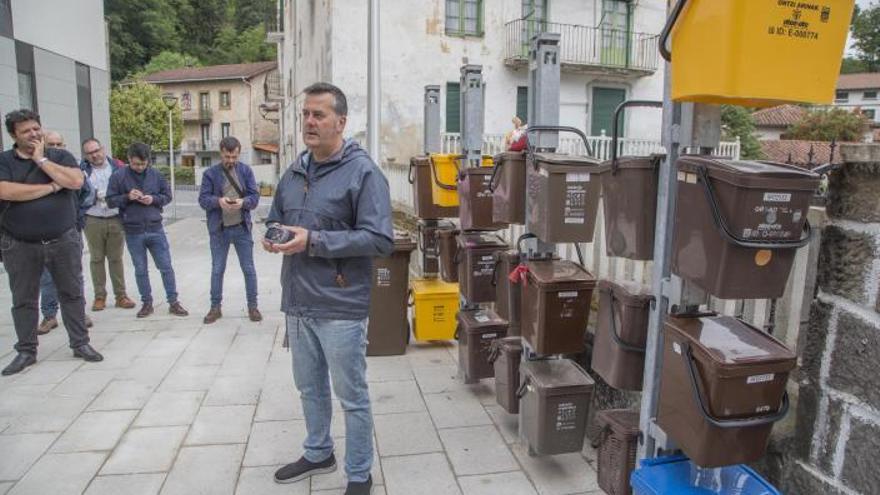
x,y
178,407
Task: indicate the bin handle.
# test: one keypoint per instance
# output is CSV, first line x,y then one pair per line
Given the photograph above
x,y
614,331
725,231
617,112
559,128
494,351
665,52
495,168
437,179
521,391
409,174
688,356
409,298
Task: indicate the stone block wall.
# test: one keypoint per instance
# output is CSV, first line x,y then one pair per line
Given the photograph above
x,y
836,442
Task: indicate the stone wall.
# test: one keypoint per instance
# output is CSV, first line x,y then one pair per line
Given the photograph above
x,y
836,441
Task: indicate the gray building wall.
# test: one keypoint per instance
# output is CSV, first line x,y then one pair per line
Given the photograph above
x,y
56,96
100,81
8,82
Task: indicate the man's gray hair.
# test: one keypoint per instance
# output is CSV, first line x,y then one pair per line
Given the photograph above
x,y
340,104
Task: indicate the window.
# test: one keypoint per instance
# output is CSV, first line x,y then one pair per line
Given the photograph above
x,y
265,158
6,18
464,17
206,136
206,161
27,83
869,114
84,100
453,108
870,95
224,99
604,102
204,100
534,12
522,103
615,23
225,130
841,96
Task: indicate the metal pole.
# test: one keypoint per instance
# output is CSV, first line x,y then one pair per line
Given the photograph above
x,y
373,84
171,163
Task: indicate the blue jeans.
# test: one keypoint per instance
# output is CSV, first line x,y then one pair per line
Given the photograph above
x,y
157,244
325,349
240,237
48,296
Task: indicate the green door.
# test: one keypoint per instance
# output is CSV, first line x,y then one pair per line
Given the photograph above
x,y
453,108
615,32
605,100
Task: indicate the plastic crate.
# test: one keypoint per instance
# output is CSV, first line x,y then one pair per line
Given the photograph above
x,y
677,475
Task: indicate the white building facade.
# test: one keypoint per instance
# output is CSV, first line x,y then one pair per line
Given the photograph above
x,y
608,50
63,74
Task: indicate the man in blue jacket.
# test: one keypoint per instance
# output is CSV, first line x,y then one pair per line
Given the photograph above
x,y
140,192
335,202
228,194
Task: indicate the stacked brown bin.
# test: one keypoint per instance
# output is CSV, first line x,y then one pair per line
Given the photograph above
x,y
388,331
427,238
477,331
420,177
722,388
618,447
447,245
738,224
475,257
555,397
507,296
563,197
621,333
629,193
475,199
509,188
505,357
556,306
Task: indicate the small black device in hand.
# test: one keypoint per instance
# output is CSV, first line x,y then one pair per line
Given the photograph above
x,y
276,234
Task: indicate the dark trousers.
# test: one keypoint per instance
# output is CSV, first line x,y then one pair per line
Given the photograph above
x,y
25,262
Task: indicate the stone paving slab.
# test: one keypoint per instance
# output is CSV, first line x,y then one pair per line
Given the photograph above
x,y
182,407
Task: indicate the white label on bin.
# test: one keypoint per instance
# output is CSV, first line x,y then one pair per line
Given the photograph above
x,y
682,176
488,336
691,178
383,277
767,377
568,294
762,409
577,177
676,347
482,318
777,197
543,172
566,416
574,220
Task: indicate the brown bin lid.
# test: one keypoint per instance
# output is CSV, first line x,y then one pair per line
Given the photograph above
x,y
420,161
446,232
631,293
565,159
511,344
477,171
557,377
731,348
477,320
403,241
621,421
556,272
509,156
636,162
750,173
480,240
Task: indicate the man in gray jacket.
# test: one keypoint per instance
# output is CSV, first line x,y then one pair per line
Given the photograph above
x,y
335,202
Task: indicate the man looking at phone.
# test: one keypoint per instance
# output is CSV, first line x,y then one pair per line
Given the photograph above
x,y
335,202
228,194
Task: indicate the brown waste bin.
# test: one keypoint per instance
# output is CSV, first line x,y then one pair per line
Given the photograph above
x,y
618,447
563,197
447,246
505,357
629,194
556,398
507,296
722,388
509,188
475,199
477,330
621,332
476,265
420,177
556,306
739,223
388,330
427,238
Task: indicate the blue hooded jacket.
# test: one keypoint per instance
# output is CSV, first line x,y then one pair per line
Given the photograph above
x,y
213,181
346,206
138,218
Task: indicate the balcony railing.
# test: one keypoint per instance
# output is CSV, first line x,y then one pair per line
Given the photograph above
x,y
198,115
273,89
196,145
586,48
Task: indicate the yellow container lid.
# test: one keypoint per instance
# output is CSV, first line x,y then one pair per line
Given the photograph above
x,y
433,288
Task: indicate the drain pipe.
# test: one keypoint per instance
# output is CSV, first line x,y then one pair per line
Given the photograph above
x,y
373,85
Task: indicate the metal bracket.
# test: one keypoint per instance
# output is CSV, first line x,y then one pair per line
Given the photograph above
x,y
432,119
683,296
471,102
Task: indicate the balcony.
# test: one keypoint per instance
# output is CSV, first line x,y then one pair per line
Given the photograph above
x,y
585,49
275,27
199,115
273,89
192,146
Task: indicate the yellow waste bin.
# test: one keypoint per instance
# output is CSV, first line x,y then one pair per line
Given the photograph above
x,y
758,53
444,171
435,307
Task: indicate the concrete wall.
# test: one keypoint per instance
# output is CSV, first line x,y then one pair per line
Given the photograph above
x,y
56,96
8,83
837,436
73,29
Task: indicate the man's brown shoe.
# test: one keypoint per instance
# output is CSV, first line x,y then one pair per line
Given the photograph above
x,y
177,310
146,310
124,302
213,315
99,304
47,325
254,314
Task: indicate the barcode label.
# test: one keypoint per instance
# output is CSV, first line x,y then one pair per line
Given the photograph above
x,y
568,294
577,177
777,197
767,377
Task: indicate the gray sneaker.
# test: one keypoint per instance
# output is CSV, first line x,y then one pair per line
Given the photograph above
x,y
303,469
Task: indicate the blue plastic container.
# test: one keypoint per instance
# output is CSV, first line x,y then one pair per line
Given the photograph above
x,y
677,475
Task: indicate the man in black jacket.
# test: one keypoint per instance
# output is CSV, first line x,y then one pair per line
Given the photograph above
x,y
140,192
38,231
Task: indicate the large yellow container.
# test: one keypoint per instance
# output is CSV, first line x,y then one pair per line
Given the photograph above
x,y
444,169
435,306
759,53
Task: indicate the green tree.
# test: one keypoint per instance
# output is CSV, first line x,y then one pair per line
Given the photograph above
x,y
138,114
865,31
234,47
139,30
736,122
168,60
829,124
852,66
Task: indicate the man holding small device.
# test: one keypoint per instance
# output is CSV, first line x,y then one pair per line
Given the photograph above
x,y
228,194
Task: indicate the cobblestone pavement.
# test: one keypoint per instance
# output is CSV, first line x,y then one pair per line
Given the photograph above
x,y
178,407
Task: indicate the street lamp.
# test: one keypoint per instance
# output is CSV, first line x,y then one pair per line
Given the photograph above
x,y
170,102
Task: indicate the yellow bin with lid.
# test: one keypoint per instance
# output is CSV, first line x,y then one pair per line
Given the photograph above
x,y
435,307
444,171
757,53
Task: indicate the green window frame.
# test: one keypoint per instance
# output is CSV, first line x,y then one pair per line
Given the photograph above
x,y
522,103
464,17
453,108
